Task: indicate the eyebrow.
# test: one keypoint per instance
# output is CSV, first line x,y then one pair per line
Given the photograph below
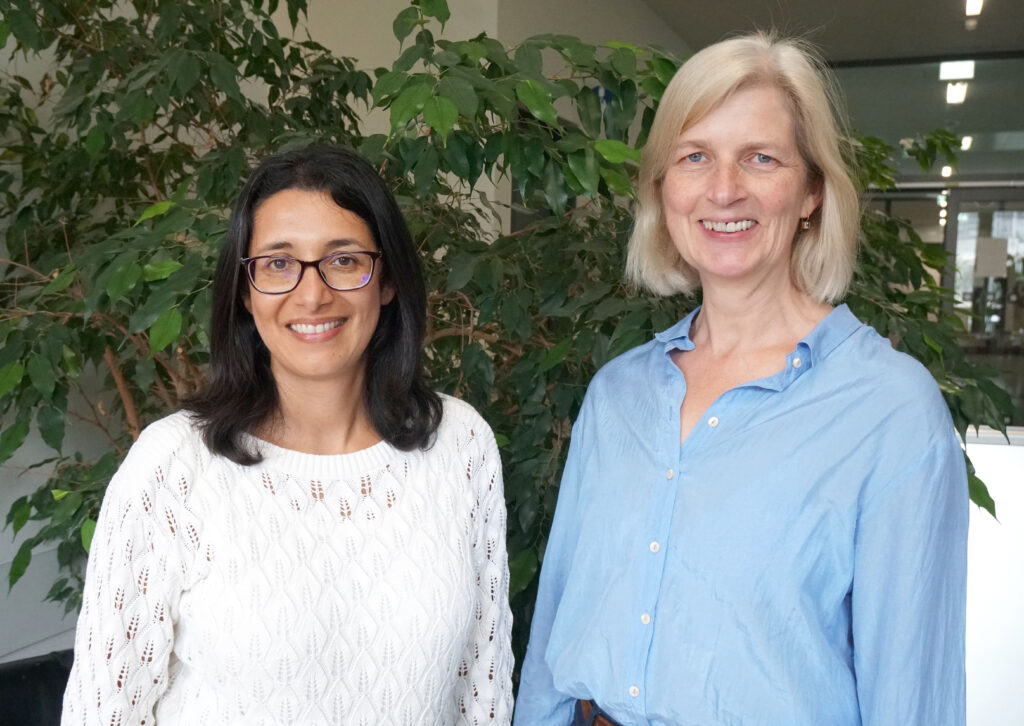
x,y
332,246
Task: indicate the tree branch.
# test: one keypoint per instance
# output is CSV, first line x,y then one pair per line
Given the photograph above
x,y
124,392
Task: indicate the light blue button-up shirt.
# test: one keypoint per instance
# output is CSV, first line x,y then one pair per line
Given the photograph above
x,y
799,560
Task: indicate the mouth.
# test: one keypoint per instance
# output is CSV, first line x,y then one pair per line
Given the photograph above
x,y
740,225
315,328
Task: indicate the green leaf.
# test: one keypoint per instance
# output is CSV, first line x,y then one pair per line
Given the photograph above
x,y
224,75
154,210
10,376
618,182
556,355
436,9
153,271
12,438
461,271
61,282
587,170
20,516
66,507
88,530
588,107
522,568
165,330
59,494
95,140
461,93
409,102
50,421
185,72
42,375
979,494
20,563
616,152
388,84
440,114
124,280
405,22
537,100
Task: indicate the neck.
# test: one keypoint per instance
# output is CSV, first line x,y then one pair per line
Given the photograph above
x,y
734,318
321,417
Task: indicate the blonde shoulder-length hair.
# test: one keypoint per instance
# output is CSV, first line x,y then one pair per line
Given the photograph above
x,y
822,259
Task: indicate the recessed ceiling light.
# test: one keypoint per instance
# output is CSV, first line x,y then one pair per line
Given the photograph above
x,y
956,92
942,222
962,70
942,213
966,142
973,7
943,202
947,171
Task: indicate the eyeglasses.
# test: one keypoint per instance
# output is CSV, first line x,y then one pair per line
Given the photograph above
x,y
278,274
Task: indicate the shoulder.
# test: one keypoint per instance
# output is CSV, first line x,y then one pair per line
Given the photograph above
x,y
626,369
891,389
170,448
461,422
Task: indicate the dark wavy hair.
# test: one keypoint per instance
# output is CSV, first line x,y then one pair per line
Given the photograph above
x,y
239,393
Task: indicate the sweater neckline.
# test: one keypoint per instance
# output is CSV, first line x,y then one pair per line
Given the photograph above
x,y
364,460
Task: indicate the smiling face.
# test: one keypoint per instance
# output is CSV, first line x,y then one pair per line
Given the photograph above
x,y
314,333
736,188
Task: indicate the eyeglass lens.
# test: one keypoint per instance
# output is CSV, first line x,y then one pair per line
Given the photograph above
x,y
343,271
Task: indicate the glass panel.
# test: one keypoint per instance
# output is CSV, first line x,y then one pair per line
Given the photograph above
x,y
989,286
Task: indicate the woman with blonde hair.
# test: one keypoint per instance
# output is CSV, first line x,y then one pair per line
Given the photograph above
x,y
763,514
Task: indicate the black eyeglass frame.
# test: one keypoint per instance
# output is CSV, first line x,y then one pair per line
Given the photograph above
x,y
248,263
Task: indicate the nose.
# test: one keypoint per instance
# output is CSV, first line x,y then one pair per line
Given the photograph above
x,y
726,184
311,290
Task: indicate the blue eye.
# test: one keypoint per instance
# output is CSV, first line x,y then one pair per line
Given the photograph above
x,y
695,157
763,159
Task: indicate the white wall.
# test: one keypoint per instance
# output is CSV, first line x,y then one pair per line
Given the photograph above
x,y
995,590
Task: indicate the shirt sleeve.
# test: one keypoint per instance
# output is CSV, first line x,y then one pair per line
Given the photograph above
x,y
539,703
909,594
133,580
484,689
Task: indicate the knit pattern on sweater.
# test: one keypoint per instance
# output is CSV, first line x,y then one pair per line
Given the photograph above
x,y
367,588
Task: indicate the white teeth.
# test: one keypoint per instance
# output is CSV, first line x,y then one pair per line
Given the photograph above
x,y
306,329
741,226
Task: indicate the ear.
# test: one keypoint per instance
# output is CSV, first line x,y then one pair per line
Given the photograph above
x,y
247,299
387,294
815,193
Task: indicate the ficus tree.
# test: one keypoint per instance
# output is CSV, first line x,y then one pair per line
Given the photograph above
x,y
120,162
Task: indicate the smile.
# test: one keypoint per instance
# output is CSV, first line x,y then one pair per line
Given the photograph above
x,y
307,329
741,226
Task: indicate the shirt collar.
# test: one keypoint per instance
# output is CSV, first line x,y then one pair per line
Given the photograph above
x,y
826,336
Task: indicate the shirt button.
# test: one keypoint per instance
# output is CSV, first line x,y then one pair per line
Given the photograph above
x,y
670,473
713,421
655,546
645,619
797,362
634,691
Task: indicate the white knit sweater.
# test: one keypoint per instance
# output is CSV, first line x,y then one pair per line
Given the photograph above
x,y
365,589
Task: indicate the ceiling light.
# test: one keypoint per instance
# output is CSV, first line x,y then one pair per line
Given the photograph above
x,y
956,92
965,143
947,171
962,70
942,213
943,202
942,222
973,7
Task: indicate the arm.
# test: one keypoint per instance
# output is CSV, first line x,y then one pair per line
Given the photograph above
x,y
909,594
539,703
125,627
484,691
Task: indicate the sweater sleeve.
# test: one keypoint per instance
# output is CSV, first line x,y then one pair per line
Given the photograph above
x,y
484,690
135,575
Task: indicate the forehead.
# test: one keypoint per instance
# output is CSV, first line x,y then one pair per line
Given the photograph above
x,y
308,221
762,110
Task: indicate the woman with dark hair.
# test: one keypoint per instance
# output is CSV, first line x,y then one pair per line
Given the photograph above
x,y
318,538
